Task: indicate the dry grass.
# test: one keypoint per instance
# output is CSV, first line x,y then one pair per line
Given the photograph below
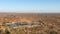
x,y
50,23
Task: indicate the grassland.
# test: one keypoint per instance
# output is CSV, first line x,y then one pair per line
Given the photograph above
x,y
48,23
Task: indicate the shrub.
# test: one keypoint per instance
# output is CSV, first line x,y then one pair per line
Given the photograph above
x,y
7,32
53,32
0,30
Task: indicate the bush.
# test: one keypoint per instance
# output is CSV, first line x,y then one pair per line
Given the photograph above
x,y
7,32
0,30
53,32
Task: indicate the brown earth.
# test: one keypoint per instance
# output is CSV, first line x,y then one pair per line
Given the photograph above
x,y
51,22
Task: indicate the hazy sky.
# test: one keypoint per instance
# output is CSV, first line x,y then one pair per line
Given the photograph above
x,y
30,6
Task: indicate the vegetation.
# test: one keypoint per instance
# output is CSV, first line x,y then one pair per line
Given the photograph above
x,y
7,32
40,24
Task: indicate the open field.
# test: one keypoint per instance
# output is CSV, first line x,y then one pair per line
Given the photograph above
x,y
29,23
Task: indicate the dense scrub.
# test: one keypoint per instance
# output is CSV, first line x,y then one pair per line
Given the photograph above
x,y
48,24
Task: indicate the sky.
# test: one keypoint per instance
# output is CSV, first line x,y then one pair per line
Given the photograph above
x,y
33,6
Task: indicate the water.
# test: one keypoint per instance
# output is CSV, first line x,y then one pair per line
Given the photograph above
x,y
17,24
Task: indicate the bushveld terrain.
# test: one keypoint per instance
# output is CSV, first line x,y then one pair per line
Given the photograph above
x,y
37,23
